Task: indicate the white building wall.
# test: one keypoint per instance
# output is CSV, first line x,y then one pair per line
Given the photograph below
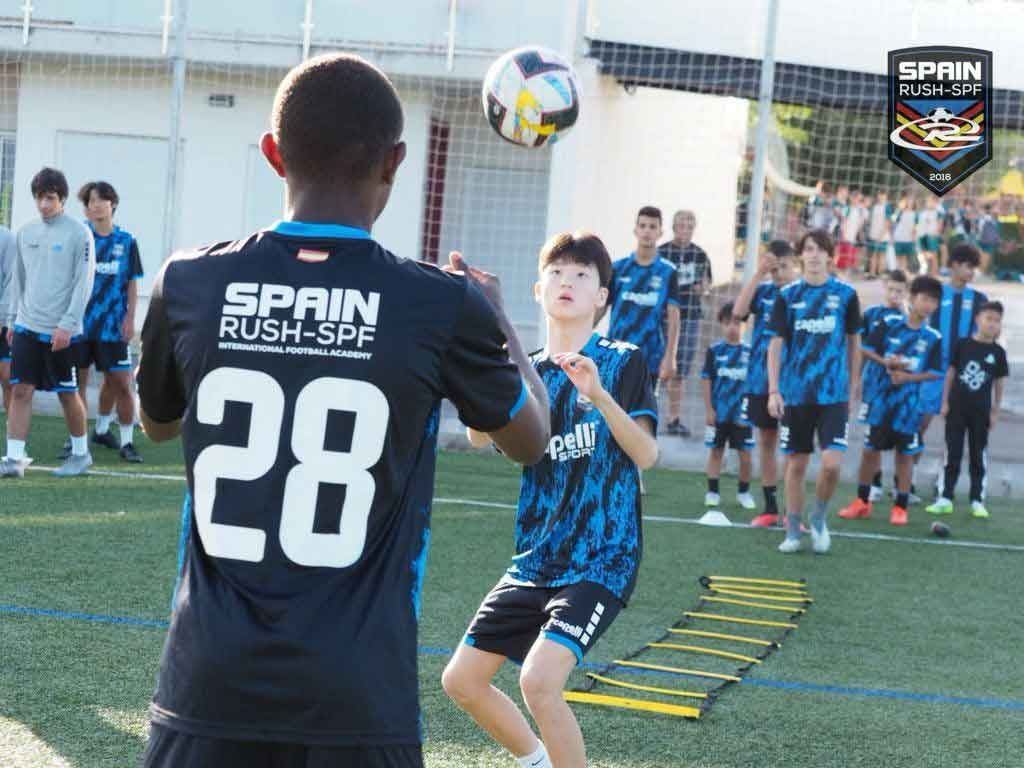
x,y
653,147
216,157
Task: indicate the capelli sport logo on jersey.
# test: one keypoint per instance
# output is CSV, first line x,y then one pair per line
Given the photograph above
x,y
940,112
581,442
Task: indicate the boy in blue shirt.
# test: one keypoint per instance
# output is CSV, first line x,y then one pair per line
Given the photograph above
x,y
644,288
724,379
578,533
815,322
909,351
873,375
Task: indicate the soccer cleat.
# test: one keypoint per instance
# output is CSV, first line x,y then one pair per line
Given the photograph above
x,y
13,467
74,466
673,427
876,493
65,450
942,506
821,541
746,501
978,510
107,440
898,516
858,509
767,520
790,545
129,454
913,498
712,499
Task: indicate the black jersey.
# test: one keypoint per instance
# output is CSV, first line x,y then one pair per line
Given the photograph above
x,y
308,365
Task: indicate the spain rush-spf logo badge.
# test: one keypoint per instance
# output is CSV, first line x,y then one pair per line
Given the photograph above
x,y
940,113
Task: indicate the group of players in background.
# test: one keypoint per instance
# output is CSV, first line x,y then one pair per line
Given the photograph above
x,y
292,639
913,233
68,293
930,348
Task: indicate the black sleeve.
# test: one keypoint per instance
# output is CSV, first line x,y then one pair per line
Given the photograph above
x,y
476,373
636,390
865,323
853,314
1002,366
161,391
708,371
135,261
876,339
780,320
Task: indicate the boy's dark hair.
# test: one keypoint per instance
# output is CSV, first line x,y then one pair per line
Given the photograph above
x,y
725,312
992,306
650,212
50,180
780,248
821,238
104,190
896,276
965,253
927,285
578,248
334,117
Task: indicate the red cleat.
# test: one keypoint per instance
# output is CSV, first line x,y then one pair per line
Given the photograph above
x,y
898,516
857,510
765,521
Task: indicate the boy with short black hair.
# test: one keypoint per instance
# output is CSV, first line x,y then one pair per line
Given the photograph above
x,y
578,531
977,368
777,268
908,349
643,290
873,375
724,377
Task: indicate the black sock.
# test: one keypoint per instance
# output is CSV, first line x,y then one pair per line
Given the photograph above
x,y
863,492
713,484
912,488
902,499
771,506
744,486
877,479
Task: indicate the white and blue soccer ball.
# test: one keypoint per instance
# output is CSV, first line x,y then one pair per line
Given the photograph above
x,y
531,96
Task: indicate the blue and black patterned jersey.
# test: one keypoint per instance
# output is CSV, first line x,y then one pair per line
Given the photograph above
x,y
579,506
117,264
638,296
761,308
725,366
955,317
899,407
872,373
814,321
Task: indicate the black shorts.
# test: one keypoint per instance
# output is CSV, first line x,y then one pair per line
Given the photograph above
x,y
755,411
800,422
172,749
34,362
105,355
5,348
740,437
513,616
885,438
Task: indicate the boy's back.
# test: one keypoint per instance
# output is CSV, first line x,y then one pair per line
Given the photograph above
x,y
309,364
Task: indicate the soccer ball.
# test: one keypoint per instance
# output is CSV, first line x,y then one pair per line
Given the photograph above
x,y
531,96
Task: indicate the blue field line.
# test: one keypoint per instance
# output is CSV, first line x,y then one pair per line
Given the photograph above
x,y
426,650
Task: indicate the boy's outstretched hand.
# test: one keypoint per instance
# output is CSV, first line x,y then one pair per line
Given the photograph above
x,y
582,372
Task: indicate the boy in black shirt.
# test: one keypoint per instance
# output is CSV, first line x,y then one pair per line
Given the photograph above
x,y
976,364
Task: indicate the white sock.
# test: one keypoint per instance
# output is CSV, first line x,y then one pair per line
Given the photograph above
x,y
103,422
127,433
15,449
539,758
78,445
